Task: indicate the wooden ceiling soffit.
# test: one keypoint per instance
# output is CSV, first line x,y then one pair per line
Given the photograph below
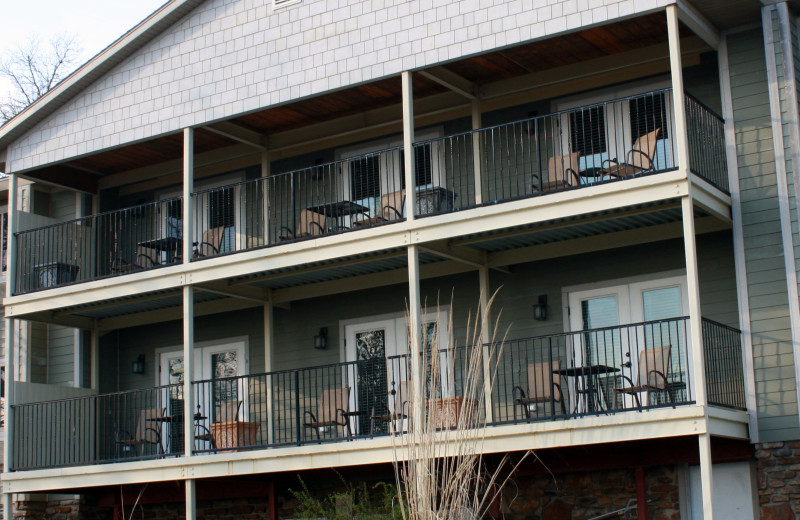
x,y
63,176
174,167
452,81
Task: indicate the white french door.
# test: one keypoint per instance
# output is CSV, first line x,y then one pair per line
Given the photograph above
x,y
385,341
212,362
604,312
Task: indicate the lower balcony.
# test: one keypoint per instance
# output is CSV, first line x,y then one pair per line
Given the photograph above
x,y
622,374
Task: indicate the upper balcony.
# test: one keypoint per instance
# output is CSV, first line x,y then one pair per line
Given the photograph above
x,y
612,142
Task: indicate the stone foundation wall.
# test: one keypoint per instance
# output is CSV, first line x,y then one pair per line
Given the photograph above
x,y
587,494
778,467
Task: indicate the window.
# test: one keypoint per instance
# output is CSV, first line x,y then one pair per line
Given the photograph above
x,y
365,177
647,114
588,134
277,4
422,163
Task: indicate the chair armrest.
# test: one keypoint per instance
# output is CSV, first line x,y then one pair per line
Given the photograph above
x,y
118,436
318,226
149,258
659,374
313,417
289,232
626,378
520,397
631,153
608,162
390,210
560,397
340,412
575,177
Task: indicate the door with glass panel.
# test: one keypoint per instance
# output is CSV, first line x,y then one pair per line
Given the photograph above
x,y
374,347
602,350
218,366
622,321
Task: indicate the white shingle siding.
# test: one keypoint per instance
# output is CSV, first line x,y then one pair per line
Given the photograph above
x,y
230,56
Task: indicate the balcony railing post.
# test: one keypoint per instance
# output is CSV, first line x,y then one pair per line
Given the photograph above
x,y
299,432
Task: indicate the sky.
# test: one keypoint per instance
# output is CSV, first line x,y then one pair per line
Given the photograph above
x,y
97,23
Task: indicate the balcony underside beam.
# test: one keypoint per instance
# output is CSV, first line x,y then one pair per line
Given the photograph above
x,y
655,424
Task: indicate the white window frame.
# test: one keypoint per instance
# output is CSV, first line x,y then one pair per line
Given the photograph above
x,y
437,163
617,119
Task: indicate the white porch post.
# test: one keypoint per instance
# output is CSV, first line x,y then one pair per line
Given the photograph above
x,y
414,350
408,146
188,188
268,346
476,150
690,251
188,369
486,336
191,499
11,271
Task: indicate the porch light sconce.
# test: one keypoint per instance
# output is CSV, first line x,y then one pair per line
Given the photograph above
x,y
540,309
321,339
138,365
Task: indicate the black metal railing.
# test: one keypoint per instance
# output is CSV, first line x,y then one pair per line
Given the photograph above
x,y
133,425
723,359
627,367
706,136
591,372
117,242
571,149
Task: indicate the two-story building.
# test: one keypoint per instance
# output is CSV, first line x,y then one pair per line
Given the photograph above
x,y
284,209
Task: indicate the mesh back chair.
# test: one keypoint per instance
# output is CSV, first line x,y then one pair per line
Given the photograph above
x,y
332,409
391,209
400,408
311,224
639,159
211,243
562,172
652,377
544,386
147,433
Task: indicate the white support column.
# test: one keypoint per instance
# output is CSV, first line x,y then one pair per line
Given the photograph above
x,y
191,499
414,350
486,337
11,263
188,369
95,358
476,149
269,337
408,146
676,69
265,172
188,188
706,481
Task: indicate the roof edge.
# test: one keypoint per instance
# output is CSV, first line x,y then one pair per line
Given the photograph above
x,y
86,74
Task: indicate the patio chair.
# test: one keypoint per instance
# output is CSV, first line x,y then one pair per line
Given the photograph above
x,y
147,433
332,410
399,411
544,386
638,159
211,243
311,224
653,365
146,257
391,209
562,172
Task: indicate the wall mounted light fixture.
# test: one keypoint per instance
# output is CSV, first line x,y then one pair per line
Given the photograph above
x,y
321,339
540,309
138,365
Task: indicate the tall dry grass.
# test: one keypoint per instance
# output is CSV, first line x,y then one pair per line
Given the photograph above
x,y
441,471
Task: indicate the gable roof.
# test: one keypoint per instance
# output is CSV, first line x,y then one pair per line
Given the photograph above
x,y
95,68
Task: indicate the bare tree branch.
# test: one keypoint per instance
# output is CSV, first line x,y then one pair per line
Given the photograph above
x,y
33,69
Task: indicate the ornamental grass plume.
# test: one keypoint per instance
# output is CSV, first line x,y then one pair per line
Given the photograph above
x,y
440,469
